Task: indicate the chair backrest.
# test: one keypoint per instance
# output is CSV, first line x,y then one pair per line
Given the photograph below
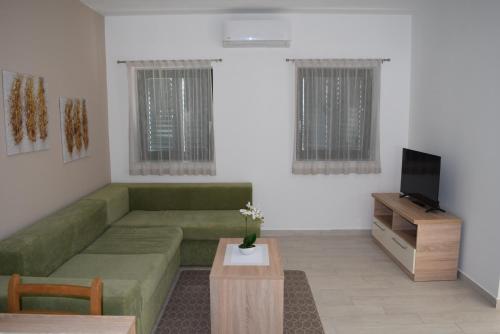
x,y
17,290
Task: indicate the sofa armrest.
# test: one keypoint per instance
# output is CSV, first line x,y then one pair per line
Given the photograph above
x,y
116,197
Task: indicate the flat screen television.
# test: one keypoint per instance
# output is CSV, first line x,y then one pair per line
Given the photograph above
x,y
420,177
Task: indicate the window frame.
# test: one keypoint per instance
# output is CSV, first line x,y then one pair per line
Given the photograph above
x,y
146,142
191,164
328,160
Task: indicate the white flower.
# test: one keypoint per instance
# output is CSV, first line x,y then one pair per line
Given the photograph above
x,y
252,211
245,212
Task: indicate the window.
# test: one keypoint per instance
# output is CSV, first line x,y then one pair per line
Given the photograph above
x,y
171,121
336,117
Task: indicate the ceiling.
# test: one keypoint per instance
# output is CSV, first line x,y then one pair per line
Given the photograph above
x,y
147,7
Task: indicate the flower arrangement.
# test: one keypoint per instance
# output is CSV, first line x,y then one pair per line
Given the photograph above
x,y
249,239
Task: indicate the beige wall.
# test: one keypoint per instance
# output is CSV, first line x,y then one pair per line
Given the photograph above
x,y
63,41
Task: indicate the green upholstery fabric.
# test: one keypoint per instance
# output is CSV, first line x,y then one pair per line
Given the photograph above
x,y
130,240
140,218
210,224
152,308
116,198
153,272
195,224
42,247
145,268
189,196
198,252
120,297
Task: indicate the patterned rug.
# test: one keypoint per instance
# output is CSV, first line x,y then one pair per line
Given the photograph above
x,y
188,309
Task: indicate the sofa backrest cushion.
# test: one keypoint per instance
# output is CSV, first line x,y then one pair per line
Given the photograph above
x,y
189,196
41,248
116,198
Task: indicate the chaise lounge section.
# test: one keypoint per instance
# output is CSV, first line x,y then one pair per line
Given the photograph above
x,y
133,236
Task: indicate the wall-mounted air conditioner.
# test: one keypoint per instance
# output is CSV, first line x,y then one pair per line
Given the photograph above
x,y
256,33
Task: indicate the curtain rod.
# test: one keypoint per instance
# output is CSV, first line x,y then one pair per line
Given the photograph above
x,y
382,59
213,60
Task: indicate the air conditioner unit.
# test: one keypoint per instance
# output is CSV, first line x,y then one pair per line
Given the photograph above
x,y
256,33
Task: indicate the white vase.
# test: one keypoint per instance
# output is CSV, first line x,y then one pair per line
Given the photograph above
x,y
247,251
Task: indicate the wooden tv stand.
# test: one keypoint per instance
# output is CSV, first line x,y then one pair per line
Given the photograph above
x,y
424,244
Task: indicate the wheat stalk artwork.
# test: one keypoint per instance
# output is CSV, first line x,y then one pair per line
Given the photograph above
x,y
74,127
77,124
26,113
42,110
30,109
16,110
68,125
85,125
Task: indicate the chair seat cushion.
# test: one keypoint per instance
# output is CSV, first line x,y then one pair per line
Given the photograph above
x,y
147,269
195,224
137,240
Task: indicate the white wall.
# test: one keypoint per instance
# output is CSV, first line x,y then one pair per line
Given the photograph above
x,y
253,111
455,114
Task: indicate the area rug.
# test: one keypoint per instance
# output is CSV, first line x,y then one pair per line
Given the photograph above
x,y
188,308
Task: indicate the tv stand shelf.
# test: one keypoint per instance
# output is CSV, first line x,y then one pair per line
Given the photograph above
x,y
424,244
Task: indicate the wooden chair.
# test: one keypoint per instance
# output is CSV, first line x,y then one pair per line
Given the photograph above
x,y
18,290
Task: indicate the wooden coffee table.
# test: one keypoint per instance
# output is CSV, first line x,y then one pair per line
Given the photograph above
x,y
247,299
65,324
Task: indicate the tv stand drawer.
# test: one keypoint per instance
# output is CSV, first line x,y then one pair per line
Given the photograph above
x,y
395,245
379,230
402,251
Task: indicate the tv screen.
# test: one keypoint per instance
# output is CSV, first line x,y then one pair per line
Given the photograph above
x,y
420,176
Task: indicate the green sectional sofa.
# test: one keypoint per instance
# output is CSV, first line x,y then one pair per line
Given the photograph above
x,y
133,236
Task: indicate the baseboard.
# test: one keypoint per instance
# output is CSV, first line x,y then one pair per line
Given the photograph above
x,y
476,286
313,233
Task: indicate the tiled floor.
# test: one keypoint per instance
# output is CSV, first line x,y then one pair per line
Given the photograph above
x,y
358,289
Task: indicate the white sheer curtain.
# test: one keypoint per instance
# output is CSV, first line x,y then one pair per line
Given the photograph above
x,y
171,118
337,117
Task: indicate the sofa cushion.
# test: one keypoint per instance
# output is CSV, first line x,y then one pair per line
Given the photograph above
x,y
137,240
210,224
195,224
198,252
147,269
116,198
152,308
189,196
42,247
140,218
120,297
